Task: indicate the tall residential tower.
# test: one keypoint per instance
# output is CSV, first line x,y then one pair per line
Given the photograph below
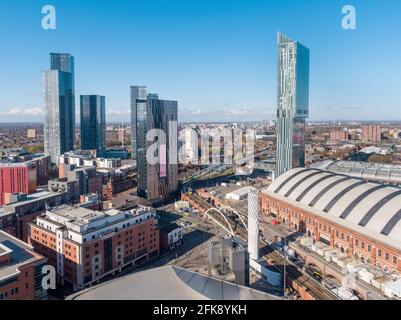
x,y
156,120
293,103
59,105
93,123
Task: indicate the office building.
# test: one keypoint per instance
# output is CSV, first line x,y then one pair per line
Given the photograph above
x,y
159,180
85,246
293,103
93,123
59,105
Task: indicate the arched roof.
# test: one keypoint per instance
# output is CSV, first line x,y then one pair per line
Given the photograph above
x,y
372,208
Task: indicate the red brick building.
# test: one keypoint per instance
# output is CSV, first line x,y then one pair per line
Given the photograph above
x,y
20,270
339,136
372,133
361,219
17,178
86,245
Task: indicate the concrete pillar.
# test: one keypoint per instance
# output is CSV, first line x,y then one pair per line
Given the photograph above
x,y
253,224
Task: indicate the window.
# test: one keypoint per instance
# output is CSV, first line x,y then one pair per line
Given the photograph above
x,y
369,248
356,242
379,253
387,256
363,245
394,260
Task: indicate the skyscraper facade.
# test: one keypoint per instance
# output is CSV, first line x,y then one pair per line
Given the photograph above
x,y
157,119
93,123
293,103
138,100
59,105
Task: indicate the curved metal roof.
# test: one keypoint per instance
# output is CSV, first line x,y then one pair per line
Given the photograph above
x,y
169,283
370,208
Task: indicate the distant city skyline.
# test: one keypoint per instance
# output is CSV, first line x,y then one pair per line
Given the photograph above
x,y
219,64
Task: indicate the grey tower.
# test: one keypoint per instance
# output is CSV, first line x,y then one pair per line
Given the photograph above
x,y
293,103
138,100
93,123
156,181
59,105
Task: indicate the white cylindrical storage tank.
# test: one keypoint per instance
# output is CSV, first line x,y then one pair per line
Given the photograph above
x,y
253,223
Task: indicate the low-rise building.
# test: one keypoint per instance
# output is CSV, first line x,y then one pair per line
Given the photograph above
x,y
171,236
85,245
17,177
20,270
15,216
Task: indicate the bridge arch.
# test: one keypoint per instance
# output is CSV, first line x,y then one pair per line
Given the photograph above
x,y
238,215
230,230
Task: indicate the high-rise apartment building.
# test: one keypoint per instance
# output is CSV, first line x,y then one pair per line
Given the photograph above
x,y
157,178
293,103
59,105
371,133
138,100
93,123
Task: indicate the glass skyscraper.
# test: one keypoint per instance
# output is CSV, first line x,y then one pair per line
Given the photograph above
x,y
93,123
59,105
138,100
292,105
156,181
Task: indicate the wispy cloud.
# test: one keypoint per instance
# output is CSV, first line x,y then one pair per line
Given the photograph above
x,y
35,111
227,114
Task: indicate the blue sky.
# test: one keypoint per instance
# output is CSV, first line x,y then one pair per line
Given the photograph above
x,y
217,58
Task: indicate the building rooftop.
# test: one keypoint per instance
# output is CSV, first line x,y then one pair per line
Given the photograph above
x,y
20,254
371,209
82,220
240,192
366,170
170,227
170,283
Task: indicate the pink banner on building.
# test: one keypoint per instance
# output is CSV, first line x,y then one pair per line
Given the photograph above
x,y
163,160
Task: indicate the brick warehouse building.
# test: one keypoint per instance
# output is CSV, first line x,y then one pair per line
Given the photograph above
x,y
17,177
85,245
361,219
